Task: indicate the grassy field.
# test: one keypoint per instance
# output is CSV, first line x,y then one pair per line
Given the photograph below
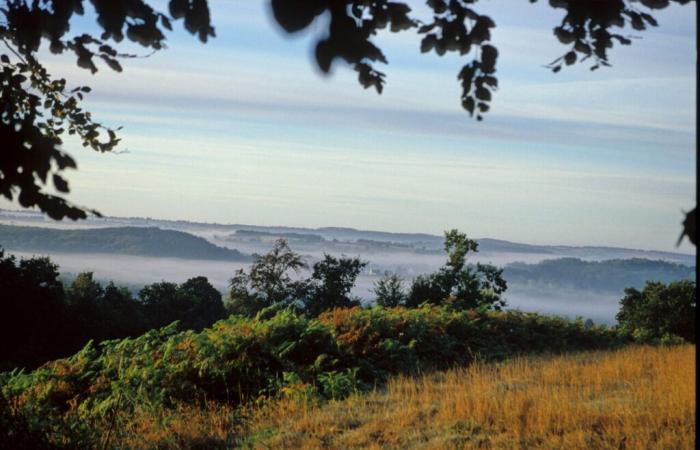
x,y
635,398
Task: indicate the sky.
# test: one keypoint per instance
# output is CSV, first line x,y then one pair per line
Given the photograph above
x,y
245,129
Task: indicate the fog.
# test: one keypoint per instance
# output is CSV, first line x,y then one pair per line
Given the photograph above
x,y
139,270
601,307
404,254
142,270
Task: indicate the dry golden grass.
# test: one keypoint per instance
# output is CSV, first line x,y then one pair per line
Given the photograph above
x,y
635,398
184,427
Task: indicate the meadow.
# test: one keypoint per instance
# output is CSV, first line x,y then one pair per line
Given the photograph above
x,y
634,398
361,378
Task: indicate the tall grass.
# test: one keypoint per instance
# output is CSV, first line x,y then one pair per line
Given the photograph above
x,y
634,398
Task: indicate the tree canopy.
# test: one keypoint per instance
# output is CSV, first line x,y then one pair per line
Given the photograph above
x,y
457,284
659,312
268,283
37,110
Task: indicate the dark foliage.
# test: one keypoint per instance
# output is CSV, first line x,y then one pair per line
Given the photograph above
x,y
33,312
195,304
389,291
457,284
660,312
269,283
41,320
330,284
17,434
690,227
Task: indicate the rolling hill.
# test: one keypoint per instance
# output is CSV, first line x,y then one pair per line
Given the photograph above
x,y
140,241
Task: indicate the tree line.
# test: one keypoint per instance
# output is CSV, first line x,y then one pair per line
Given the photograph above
x,y
43,319
270,282
609,275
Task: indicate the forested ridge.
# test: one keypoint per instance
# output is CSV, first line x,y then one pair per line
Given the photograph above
x,y
141,241
608,275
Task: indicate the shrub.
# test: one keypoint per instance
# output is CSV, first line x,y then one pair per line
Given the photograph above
x,y
659,312
239,359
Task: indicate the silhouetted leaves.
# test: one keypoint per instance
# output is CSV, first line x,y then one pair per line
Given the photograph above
x,y
36,110
588,24
689,227
268,283
295,15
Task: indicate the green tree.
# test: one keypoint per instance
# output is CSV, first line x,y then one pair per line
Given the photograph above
x,y
389,291
660,311
206,306
162,303
84,289
122,314
268,281
196,304
330,284
458,284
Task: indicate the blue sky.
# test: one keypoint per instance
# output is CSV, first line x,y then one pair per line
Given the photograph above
x,y
245,129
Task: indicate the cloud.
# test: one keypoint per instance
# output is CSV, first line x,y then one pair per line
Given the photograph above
x,y
244,129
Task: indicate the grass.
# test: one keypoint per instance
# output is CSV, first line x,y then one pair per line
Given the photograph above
x,y
634,398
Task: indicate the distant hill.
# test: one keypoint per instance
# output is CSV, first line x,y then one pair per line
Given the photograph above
x,y
420,242
141,241
310,238
610,275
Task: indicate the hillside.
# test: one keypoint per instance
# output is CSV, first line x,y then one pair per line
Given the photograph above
x,y
141,241
611,275
420,243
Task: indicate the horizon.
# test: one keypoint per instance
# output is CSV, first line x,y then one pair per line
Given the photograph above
x,y
320,228
214,133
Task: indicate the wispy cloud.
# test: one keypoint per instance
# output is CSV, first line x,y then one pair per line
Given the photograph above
x,y
244,129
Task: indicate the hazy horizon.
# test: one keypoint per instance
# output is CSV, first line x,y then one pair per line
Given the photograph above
x,y
94,221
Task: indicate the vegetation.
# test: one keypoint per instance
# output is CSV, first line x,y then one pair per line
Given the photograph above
x,y
103,389
268,283
43,320
457,284
140,384
142,241
635,398
610,275
58,319
660,312
389,291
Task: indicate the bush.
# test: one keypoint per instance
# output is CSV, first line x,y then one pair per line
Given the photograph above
x,y
105,386
659,312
